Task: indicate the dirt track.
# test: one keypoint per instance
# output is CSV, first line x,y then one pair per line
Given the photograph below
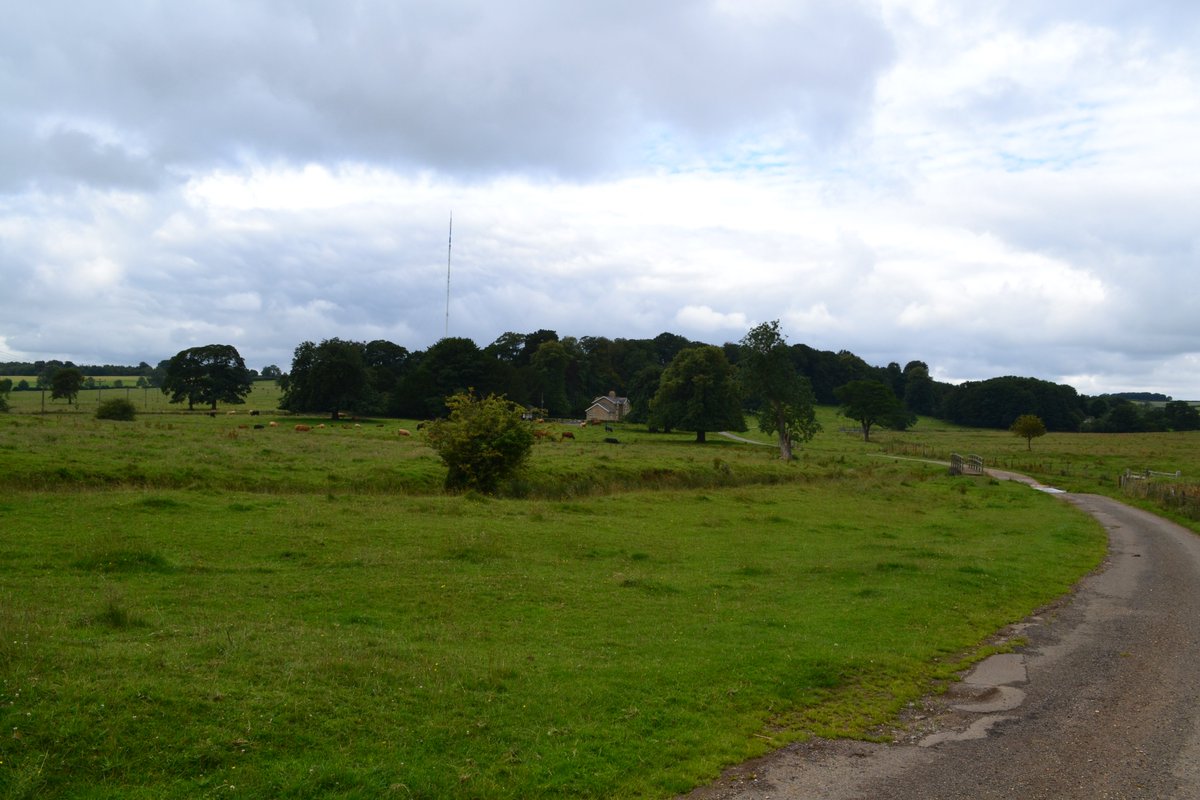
x,y
1102,702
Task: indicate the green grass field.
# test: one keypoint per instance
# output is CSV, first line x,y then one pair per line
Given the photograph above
x,y
198,609
264,396
1078,462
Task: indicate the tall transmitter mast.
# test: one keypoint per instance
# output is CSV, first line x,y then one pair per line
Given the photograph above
x,y
449,246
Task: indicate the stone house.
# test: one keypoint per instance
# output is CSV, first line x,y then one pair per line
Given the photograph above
x,y
608,408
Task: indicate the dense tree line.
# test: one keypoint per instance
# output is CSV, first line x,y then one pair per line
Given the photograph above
x,y
997,402
561,376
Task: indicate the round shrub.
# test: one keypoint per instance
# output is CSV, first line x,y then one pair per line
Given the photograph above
x,y
118,408
483,441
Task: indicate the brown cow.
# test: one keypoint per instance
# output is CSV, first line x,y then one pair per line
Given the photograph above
x,y
304,428
403,432
568,435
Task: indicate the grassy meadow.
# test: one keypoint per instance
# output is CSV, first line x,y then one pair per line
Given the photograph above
x,y
1075,462
263,396
194,607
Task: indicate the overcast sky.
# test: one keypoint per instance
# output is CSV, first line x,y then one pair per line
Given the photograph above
x,y
997,188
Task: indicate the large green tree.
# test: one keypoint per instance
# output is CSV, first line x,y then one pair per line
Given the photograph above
x,y
698,392
214,373
451,366
784,397
330,377
868,402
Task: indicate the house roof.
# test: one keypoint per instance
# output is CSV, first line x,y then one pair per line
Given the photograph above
x,y
610,402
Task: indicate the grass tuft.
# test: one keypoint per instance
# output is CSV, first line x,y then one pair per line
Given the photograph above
x,y
124,561
116,617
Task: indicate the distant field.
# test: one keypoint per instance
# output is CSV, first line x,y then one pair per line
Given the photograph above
x,y
264,396
196,607
1081,462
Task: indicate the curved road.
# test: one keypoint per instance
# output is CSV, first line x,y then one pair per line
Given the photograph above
x,y
1101,703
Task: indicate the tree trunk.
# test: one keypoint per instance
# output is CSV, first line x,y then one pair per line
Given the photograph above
x,y
700,437
785,441
785,448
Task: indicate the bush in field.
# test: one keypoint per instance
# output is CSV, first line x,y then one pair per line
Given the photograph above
x,y
483,441
118,408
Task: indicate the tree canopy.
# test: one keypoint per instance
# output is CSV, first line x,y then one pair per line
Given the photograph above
x,y
1180,416
330,377
784,397
868,402
1028,427
697,392
214,373
996,402
66,382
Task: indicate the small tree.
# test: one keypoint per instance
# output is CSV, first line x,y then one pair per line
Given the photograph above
x,y
482,441
118,409
1028,427
869,402
66,382
5,388
786,396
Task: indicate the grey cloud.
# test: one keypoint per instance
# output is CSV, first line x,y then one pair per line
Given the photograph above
x,y
476,86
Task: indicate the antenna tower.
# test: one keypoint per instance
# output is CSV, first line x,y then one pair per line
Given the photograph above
x,y
449,246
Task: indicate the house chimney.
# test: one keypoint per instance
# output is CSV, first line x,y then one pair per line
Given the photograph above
x,y
612,395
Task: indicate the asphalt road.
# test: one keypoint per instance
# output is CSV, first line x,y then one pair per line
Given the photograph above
x,y
1103,701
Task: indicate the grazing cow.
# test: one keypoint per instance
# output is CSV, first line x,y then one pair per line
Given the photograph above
x,y
608,428
539,433
273,424
244,427
567,435
230,413
259,426
322,425
254,413
420,426
610,440
304,428
403,432
212,414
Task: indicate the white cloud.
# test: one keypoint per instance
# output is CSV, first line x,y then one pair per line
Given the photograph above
x,y
992,189
703,318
